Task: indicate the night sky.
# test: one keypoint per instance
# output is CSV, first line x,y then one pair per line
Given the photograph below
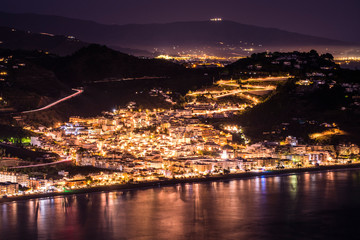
x,y
337,19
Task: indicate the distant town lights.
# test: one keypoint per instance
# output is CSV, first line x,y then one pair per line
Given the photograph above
x,y
216,19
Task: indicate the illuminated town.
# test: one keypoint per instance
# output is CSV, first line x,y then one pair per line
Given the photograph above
x,y
179,120
131,145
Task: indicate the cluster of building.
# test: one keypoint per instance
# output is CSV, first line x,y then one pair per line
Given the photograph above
x,y
123,138
12,182
194,150
135,145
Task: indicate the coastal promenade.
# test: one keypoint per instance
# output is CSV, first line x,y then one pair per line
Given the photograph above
x,y
170,182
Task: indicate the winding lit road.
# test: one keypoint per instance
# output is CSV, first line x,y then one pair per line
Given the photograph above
x,y
78,91
43,164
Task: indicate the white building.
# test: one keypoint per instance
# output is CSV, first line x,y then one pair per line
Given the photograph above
x,y
22,179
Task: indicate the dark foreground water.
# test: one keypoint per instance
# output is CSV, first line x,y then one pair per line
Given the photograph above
x,y
322,205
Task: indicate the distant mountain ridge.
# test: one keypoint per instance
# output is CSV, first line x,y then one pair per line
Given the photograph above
x,y
13,39
35,78
21,40
96,62
151,36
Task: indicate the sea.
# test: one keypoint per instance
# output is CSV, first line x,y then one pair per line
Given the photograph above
x,y
316,205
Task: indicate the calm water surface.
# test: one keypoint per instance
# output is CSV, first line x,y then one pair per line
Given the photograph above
x,y
322,205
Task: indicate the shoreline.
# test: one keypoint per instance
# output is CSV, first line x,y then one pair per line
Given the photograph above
x,y
171,182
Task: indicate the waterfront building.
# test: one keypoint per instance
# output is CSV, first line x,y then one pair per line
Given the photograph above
x,y
8,188
12,177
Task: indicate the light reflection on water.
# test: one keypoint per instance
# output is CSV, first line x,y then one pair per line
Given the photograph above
x,y
297,206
